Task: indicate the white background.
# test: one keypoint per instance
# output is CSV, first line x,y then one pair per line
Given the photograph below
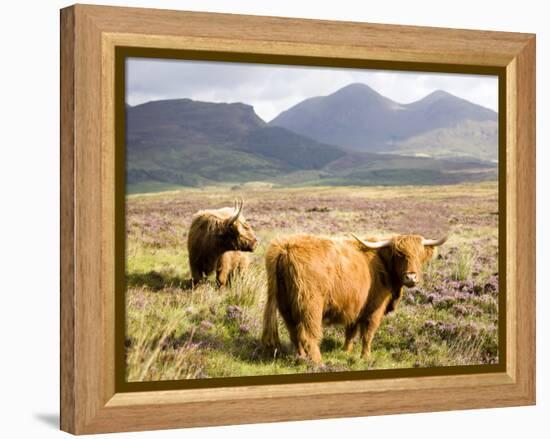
x,y
29,218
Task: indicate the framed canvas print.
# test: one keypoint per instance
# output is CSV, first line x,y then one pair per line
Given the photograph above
x,y
268,219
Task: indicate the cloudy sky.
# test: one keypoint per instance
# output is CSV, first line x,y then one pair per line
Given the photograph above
x,y
271,89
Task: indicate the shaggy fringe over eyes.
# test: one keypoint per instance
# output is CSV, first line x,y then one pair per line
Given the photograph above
x,y
409,246
218,224
215,226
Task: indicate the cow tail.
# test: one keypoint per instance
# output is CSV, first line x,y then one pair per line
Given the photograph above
x,y
270,334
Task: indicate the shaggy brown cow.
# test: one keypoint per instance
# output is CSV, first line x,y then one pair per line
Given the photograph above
x,y
215,242
312,280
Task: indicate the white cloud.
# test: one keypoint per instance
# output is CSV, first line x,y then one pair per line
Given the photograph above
x,y
272,89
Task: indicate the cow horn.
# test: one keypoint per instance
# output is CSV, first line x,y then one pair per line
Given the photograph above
x,y
238,207
373,245
434,242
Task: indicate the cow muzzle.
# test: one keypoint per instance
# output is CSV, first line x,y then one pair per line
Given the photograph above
x,y
410,279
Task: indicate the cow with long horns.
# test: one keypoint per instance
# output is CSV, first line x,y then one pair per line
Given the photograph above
x,y
354,283
216,240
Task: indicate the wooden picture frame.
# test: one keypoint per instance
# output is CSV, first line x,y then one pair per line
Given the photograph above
x,y
91,401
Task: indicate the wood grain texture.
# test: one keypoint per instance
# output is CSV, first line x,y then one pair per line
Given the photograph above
x,y
321,406
511,206
89,37
309,389
525,220
372,41
67,253
107,215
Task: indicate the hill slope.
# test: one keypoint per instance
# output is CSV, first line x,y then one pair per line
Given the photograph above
x,y
189,143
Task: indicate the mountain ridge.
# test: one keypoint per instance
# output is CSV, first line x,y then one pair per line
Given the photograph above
x,y
357,117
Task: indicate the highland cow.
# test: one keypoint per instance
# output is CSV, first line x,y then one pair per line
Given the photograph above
x,y
314,280
216,241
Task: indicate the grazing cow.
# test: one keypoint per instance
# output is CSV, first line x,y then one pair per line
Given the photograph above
x,y
215,242
312,280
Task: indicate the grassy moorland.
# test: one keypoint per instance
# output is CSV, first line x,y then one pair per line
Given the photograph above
x,y
176,332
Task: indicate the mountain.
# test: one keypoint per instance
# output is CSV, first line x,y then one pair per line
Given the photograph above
x,y
440,139
358,118
190,143
196,122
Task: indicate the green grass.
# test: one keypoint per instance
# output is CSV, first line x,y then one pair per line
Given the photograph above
x,y
175,331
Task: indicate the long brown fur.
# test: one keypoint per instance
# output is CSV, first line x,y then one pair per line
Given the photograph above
x,y
211,236
312,280
230,264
